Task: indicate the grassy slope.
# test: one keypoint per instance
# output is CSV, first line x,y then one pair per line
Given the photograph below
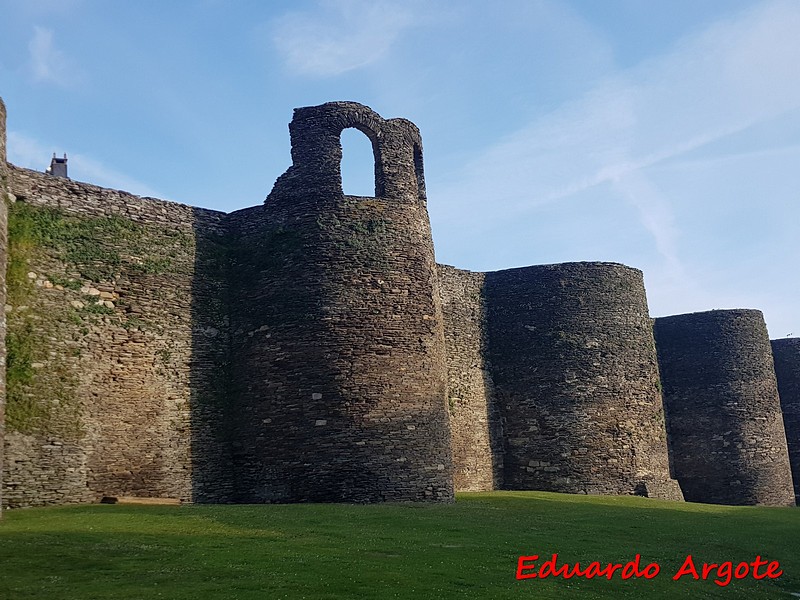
x,y
468,550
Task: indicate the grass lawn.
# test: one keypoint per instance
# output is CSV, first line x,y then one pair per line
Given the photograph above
x,y
466,550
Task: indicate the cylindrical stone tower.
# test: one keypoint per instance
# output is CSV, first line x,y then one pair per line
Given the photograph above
x,y
786,353
338,347
576,378
3,258
723,414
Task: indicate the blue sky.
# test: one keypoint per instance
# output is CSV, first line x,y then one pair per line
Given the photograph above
x,y
662,135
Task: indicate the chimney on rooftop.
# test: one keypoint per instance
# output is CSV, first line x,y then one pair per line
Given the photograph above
x,y
58,167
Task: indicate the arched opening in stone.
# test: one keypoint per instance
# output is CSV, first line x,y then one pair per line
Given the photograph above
x,y
359,163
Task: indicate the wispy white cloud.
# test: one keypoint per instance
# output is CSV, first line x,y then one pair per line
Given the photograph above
x,y
706,89
339,35
93,171
605,146
24,151
655,215
30,153
48,64
711,86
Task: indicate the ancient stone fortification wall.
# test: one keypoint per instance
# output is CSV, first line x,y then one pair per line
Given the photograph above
x,y
576,379
3,260
118,342
786,354
338,349
474,418
723,413
303,351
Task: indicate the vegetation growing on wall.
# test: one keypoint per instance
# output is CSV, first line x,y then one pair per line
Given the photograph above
x,y
91,246
69,253
362,230
35,395
21,243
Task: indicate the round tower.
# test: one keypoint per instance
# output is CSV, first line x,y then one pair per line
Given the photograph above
x,y
576,378
723,413
786,354
338,351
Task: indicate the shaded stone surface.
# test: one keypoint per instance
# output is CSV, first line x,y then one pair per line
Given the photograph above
x,y
786,355
338,347
723,413
576,379
3,259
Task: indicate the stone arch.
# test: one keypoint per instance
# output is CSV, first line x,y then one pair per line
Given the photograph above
x,y
377,182
317,152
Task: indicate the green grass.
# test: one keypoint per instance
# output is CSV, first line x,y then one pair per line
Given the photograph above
x,y
466,550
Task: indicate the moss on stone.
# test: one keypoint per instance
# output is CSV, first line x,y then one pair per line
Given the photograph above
x,y
40,392
99,248
73,251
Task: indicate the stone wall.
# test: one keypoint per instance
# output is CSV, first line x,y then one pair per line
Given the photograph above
x,y
126,380
576,378
786,354
118,346
3,260
723,412
338,349
474,419
310,349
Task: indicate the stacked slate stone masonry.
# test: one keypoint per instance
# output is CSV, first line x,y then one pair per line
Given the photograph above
x,y
477,432
310,349
576,377
786,352
118,335
338,350
723,411
3,260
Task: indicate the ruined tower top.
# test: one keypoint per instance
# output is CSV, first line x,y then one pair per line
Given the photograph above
x,y
317,151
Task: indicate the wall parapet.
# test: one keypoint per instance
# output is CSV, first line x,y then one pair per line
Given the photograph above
x,y
75,197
